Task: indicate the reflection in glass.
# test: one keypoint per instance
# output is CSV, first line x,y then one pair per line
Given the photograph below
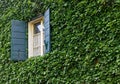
x,y
36,28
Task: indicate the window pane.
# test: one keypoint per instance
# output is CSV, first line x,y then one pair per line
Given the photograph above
x,y
36,28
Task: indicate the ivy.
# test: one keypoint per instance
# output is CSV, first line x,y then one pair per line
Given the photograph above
x,y
84,38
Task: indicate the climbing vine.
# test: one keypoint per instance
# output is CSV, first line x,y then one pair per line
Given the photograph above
x,y
84,37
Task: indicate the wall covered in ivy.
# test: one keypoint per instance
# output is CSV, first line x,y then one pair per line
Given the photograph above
x,y
85,39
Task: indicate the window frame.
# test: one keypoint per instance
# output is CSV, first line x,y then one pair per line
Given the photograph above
x,y
31,34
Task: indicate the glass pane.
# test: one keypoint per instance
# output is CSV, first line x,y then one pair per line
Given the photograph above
x,y
35,41
36,28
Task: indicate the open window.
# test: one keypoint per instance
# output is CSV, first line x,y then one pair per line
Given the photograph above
x,y
38,37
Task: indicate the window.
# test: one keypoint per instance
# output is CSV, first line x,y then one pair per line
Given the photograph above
x,y
38,37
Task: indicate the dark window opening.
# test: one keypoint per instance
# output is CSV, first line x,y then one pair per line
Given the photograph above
x,y
36,28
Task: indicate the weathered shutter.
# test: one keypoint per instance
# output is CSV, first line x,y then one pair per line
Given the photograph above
x,y
47,30
18,40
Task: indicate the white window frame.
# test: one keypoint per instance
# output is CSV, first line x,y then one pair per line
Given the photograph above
x,y
31,34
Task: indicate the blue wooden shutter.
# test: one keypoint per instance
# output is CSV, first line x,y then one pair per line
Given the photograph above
x,y
47,30
18,40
